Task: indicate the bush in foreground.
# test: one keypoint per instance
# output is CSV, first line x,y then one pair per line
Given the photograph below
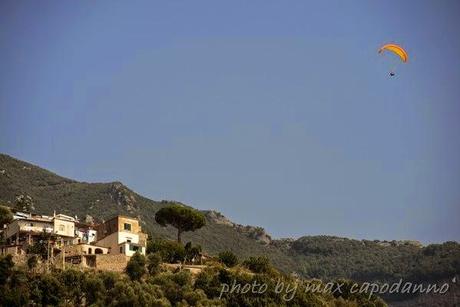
x,y
136,266
18,287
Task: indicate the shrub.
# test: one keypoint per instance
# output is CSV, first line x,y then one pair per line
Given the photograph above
x,y
6,268
208,281
170,251
109,279
182,278
93,288
259,264
136,266
32,262
228,258
191,252
153,263
5,216
75,288
41,246
50,290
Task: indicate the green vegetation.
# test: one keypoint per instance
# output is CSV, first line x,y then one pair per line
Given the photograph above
x,y
173,251
32,262
322,257
24,203
153,263
40,248
19,287
191,252
181,217
327,257
259,264
6,265
228,258
5,216
170,251
104,200
136,266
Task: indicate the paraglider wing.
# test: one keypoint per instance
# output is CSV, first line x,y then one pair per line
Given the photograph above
x,y
396,49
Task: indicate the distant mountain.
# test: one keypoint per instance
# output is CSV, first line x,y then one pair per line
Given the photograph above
x,y
324,257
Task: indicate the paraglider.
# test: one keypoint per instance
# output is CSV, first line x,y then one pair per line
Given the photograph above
x,y
398,51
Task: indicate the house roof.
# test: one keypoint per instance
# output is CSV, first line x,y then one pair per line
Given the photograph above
x,y
35,219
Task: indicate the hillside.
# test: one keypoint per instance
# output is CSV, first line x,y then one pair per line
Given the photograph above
x,y
329,257
324,257
102,200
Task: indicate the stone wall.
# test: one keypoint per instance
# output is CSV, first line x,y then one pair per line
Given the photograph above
x,y
116,263
195,269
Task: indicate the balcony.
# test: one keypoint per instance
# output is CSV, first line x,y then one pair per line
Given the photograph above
x,y
37,229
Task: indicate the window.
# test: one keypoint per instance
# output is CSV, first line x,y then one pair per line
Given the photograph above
x,y
127,227
128,240
90,250
61,228
121,249
133,248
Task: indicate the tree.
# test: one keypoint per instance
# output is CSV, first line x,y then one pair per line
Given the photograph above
x,y
6,268
41,246
228,258
136,266
5,216
153,263
259,264
93,288
72,281
24,203
192,252
50,289
181,217
170,251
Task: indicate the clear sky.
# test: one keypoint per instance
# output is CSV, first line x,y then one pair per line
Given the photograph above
x,y
276,113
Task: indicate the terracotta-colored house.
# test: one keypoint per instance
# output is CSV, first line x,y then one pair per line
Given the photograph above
x,y
122,235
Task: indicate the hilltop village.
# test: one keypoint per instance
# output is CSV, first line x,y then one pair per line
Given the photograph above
x,y
68,241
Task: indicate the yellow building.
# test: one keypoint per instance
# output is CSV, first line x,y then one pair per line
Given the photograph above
x,y
122,235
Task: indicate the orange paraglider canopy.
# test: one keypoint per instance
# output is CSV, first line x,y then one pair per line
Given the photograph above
x,y
396,49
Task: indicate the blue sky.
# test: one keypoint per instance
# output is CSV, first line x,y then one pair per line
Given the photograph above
x,y
279,114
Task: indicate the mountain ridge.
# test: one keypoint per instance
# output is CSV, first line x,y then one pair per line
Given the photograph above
x,y
101,200
324,257
123,195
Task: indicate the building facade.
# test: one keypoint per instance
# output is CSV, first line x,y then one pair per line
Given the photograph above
x,y
66,236
122,235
